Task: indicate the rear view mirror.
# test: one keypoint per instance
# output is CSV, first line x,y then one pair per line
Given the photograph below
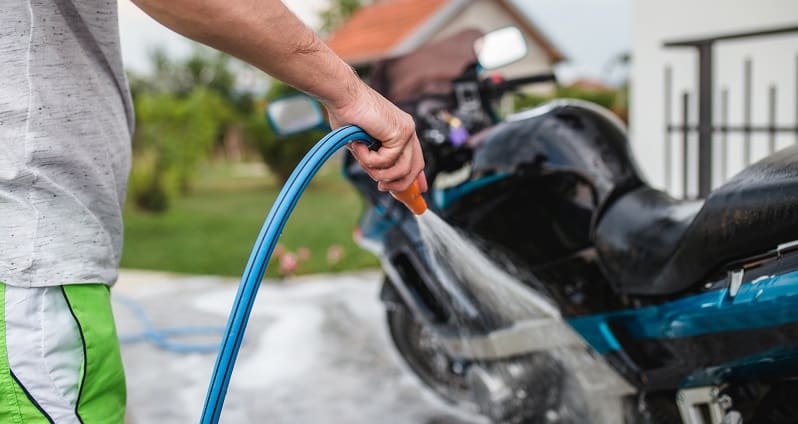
x,y
500,47
294,114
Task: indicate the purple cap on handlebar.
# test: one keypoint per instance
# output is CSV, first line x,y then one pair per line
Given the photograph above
x,y
458,136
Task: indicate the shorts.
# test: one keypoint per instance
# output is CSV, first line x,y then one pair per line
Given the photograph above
x,y
59,356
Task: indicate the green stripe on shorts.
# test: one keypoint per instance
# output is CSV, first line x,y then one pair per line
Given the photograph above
x,y
102,393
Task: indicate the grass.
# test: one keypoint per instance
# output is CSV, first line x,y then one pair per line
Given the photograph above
x,y
212,229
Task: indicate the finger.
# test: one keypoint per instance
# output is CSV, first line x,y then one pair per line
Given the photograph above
x,y
419,164
394,143
374,160
398,185
421,180
402,184
353,150
358,149
383,158
402,167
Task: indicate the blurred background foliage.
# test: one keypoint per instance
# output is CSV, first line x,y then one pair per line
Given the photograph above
x,y
192,110
614,99
207,167
337,12
184,109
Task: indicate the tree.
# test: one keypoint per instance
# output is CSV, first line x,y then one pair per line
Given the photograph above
x,y
337,13
183,109
173,136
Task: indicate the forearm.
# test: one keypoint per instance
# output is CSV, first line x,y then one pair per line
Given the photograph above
x,y
265,34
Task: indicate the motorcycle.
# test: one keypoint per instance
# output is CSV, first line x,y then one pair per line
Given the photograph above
x,y
668,311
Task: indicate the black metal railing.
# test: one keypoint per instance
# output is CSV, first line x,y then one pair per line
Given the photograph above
x,y
707,126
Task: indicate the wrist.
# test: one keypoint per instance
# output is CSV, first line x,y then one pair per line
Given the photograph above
x,y
349,91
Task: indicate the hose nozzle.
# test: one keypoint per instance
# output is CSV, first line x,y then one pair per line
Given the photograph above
x,y
411,198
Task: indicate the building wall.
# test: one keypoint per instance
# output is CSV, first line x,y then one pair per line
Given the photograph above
x,y
487,15
774,61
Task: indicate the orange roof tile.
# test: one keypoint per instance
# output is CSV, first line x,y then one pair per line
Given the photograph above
x,y
373,30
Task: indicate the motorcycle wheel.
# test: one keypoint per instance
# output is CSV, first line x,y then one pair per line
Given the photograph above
x,y
546,399
441,373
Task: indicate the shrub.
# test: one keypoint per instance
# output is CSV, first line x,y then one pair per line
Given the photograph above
x,y
173,135
614,100
280,153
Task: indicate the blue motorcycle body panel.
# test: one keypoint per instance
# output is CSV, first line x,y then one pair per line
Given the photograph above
x,y
766,304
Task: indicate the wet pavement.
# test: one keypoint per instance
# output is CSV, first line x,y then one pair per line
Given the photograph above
x,y
316,351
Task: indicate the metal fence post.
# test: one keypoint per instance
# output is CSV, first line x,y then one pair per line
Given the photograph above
x,y
705,121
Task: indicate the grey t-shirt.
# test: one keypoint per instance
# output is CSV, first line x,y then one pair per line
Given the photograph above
x,y
65,126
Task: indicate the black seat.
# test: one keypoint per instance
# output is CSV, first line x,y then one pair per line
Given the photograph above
x,y
651,244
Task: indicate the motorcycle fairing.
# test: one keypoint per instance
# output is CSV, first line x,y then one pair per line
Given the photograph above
x,y
769,364
669,342
444,198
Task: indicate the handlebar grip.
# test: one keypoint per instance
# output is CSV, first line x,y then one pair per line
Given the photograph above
x,y
534,79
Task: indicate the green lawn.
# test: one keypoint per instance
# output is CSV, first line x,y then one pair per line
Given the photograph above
x,y
211,230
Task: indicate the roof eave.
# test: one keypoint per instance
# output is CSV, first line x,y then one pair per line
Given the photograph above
x,y
432,25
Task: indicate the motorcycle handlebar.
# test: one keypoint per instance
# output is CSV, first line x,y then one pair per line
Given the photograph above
x,y
511,84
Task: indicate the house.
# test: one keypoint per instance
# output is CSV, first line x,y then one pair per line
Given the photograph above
x,y
390,28
744,104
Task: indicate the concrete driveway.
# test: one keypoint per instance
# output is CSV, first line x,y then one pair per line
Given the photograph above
x,y
316,351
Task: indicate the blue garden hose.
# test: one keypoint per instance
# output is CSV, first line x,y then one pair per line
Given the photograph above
x,y
164,338
259,258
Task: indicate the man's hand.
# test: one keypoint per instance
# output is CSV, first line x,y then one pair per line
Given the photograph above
x,y
266,34
399,161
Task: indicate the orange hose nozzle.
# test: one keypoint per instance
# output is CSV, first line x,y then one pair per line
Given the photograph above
x,y
411,198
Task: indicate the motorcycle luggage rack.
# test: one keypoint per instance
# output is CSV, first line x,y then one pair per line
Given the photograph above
x,y
705,405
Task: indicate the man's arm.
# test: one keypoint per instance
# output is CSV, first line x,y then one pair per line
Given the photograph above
x,y
266,34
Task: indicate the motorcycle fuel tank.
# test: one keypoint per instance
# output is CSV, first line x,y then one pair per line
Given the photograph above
x,y
564,136
540,180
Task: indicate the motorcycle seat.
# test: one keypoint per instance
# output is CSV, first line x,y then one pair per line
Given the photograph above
x,y
652,244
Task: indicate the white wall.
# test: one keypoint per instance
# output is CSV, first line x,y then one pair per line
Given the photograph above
x,y
774,62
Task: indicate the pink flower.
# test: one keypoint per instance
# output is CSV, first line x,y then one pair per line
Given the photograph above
x,y
279,250
334,254
288,264
303,253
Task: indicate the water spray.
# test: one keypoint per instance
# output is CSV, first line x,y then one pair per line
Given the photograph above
x,y
262,252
